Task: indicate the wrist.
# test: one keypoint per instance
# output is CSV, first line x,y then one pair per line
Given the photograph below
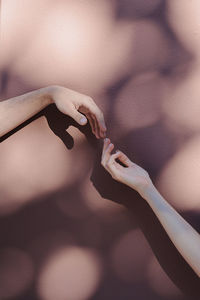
x,y
149,192
47,94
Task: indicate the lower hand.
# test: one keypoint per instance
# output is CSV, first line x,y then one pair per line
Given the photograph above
x,y
128,172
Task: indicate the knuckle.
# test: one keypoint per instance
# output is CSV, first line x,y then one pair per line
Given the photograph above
x,y
89,99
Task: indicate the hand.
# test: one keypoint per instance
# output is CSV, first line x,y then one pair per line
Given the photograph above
x,y
80,107
129,174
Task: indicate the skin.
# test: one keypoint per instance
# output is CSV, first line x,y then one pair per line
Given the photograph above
x,y
81,108
185,238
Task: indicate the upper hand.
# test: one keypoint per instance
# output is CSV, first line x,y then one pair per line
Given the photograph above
x,y
129,174
80,107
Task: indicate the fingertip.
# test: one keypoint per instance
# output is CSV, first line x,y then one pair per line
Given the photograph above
x,y
102,134
96,134
83,121
106,140
104,127
111,145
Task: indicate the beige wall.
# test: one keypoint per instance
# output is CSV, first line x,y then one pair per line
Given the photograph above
x,y
68,232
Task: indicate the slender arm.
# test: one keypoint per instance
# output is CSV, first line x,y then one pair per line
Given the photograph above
x,y
15,111
185,238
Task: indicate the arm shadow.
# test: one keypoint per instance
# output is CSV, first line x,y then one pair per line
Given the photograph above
x,y
58,123
169,258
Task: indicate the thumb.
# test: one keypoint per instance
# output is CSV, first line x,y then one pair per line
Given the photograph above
x,y
77,116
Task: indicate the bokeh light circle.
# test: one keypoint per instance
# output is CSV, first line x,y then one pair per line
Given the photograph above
x,y
70,273
179,179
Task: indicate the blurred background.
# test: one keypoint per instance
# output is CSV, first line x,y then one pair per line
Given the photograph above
x,y
67,230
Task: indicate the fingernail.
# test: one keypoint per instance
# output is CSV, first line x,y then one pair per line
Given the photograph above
x,y
83,120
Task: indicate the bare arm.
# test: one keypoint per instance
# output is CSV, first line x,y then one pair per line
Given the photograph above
x,y
80,107
15,111
181,233
185,238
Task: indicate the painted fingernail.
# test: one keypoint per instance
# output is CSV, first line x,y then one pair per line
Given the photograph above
x,y
83,120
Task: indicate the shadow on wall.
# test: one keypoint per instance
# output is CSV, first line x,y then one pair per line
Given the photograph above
x,y
144,219
58,123
82,221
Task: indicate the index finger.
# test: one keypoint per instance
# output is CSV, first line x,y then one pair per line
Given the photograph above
x,y
124,158
106,142
108,147
95,110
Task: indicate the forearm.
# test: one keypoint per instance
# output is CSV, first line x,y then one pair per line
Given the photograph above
x,y
15,111
181,233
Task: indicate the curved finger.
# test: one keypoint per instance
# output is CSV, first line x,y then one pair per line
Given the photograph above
x,y
101,131
124,158
101,122
95,126
113,167
106,155
112,160
91,124
106,142
94,109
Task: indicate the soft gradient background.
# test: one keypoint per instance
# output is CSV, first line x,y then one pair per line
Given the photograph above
x,y
67,230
